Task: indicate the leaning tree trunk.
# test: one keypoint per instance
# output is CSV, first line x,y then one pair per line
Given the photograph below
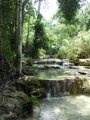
x,y
19,37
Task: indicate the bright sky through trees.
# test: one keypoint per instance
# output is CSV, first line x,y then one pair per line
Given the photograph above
x,y
49,8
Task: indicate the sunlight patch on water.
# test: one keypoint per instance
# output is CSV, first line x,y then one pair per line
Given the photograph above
x,y
65,108
50,74
82,103
56,110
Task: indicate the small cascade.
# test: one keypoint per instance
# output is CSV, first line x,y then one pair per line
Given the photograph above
x,y
58,78
48,95
48,63
58,88
55,86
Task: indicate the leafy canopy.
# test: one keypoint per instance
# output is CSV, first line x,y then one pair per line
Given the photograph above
x,y
69,8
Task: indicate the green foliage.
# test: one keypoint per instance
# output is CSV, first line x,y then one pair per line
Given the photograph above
x,y
34,37
56,38
69,8
62,52
86,18
64,41
2,118
40,38
34,100
83,44
28,106
8,30
76,47
42,53
70,41
28,28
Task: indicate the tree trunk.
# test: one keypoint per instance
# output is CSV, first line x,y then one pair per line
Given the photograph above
x,y
19,37
1,37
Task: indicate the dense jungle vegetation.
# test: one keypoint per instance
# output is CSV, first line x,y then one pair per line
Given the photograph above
x,y
24,32
26,35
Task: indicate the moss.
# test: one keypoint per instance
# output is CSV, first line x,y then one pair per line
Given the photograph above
x,y
2,118
29,70
22,96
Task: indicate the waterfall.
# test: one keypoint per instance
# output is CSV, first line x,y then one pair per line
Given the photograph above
x,y
54,80
58,88
48,95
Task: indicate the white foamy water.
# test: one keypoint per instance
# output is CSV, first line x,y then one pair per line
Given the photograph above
x,y
64,108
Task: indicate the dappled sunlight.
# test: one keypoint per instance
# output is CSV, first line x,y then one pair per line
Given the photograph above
x,y
56,110
44,59
82,104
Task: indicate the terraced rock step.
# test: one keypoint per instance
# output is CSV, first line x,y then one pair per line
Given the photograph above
x,y
52,63
49,61
64,86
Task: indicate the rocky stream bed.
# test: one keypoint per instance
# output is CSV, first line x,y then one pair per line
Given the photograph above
x,y
64,80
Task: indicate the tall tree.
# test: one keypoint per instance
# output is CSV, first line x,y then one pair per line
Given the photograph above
x,y
1,37
19,37
40,37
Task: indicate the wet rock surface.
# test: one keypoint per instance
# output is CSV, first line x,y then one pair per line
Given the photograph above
x,y
76,80
72,81
64,87
64,108
12,102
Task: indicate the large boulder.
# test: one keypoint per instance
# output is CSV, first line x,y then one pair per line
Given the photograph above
x,y
12,104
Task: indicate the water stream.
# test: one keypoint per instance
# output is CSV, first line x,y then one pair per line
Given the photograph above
x,y
50,74
63,108
54,107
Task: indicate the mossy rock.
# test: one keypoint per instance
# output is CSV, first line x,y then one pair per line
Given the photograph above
x,y
29,70
2,118
23,97
13,104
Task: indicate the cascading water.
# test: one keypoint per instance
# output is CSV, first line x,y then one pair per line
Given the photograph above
x,y
64,108
58,105
57,88
60,87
